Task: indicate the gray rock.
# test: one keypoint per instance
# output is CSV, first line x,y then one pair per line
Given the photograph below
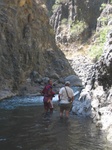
x,y
54,76
74,80
28,43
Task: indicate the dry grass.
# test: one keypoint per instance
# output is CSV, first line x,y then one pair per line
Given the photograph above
x,y
74,50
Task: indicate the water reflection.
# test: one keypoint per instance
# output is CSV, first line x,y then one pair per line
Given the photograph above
x,y
24,127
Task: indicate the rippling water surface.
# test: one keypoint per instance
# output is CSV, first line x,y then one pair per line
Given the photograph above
x,y
22,126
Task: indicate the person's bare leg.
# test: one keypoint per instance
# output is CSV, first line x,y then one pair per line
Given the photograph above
x,y
67,113
61,113
51,111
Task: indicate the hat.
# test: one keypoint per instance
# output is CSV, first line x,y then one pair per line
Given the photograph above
x,y
67,83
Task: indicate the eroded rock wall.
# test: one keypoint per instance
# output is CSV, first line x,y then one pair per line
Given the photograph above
x,y
96,99
27,44
68,13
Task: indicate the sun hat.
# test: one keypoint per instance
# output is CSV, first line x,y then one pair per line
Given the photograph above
x,y
67,83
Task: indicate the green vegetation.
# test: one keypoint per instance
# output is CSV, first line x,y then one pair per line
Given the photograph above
x,y
103,6
57,4
60,1
104,21
77,28
51,31
55,7
96,50
64,21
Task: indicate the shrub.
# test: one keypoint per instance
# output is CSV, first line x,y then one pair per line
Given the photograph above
x,y
96,50
60,1
77,28
64,21
103,6
55,7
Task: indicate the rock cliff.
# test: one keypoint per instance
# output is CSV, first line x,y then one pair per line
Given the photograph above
x,y
27,44
96,99
74,20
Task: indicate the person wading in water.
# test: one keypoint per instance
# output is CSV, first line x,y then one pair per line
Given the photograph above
x,y
66,97
48,94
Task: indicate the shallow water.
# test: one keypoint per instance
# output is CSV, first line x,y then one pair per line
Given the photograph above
x,y
22,126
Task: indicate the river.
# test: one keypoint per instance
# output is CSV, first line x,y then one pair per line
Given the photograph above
x,y
22,126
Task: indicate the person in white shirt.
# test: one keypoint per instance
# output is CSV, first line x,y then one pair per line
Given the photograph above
x,y
64,94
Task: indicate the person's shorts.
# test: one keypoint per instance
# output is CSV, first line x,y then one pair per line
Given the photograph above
x,y
48,105
65,107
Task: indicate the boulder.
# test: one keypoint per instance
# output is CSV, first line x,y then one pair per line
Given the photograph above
x,y
74,80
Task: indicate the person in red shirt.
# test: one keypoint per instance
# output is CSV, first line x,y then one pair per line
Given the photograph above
x,y
48,95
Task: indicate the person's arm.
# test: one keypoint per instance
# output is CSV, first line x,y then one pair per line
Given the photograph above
x,y
72,98
53,94
59,97
43,91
